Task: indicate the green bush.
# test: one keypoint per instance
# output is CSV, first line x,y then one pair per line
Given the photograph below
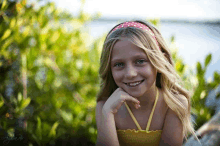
x,y
50,73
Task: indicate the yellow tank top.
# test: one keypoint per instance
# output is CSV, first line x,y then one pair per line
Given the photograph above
x,y
140,137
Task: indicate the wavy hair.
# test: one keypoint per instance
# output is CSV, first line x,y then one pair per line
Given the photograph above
x,y
160,56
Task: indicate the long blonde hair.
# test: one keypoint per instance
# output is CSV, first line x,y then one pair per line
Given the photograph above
x,y
160,56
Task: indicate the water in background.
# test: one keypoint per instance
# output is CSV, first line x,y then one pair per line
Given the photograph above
x,y
194,41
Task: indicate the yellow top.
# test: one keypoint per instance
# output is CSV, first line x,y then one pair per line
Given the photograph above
x,y
140,137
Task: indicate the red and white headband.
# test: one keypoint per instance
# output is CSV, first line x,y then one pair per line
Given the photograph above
x,y
137,25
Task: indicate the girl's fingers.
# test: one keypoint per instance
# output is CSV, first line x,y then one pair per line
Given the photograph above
x,y
134,100
136,103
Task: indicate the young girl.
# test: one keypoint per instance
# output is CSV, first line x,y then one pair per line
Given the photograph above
x,y
140,90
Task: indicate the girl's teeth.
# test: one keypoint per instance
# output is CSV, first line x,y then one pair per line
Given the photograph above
x,y
133,84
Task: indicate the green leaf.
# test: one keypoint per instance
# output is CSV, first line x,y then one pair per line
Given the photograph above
x,y
25,103
6,43
53,130
26,32
3,4
1,101
216,76
199,68
67,117
52,64
6,34
11,132
208,59
38,130
194,111
54,37
19,97
172,39
12,23
154,21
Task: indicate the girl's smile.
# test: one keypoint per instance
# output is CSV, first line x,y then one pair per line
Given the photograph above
x,y
134,84
132,70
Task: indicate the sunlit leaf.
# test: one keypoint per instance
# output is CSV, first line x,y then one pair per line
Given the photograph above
x,y
6,34
38,129
208,116
76,24
1,101
178,65
54,37
12,23
50,63
11,132
18,7
199,68
57,82
23,2
53,130
27,31
19,97
154,21
91,130
194,111
208,59
216,76
25,103
202,95
67,116
3,4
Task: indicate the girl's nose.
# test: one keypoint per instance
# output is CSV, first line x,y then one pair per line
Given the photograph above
x,y
130,72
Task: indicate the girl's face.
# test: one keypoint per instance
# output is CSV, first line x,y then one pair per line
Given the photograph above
x,y
132,70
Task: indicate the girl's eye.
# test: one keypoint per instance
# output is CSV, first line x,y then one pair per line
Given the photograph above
x,y
141,61
118,64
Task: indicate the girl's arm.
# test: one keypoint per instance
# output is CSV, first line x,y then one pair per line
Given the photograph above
x,y
107,135
172,134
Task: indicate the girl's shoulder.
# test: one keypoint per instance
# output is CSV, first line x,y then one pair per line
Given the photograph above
x,y
100,104
102,100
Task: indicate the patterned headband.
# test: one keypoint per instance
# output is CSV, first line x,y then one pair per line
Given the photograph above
x,y
137,25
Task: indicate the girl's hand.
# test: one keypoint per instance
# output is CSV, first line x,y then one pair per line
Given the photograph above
x,y
118,97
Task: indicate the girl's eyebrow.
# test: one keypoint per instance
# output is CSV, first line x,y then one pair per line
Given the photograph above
x,y
136,56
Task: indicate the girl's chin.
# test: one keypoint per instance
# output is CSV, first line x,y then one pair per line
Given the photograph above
x,y
133,94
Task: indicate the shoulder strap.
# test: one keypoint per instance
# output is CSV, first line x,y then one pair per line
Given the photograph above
x,y
151,115
132,116
152,112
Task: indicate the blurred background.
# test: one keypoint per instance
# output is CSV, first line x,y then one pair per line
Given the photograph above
x,y
195,23
49,61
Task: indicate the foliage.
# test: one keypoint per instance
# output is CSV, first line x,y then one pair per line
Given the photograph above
x,y
49,75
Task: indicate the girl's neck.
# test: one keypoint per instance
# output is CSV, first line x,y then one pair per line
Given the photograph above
x,y
147,100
